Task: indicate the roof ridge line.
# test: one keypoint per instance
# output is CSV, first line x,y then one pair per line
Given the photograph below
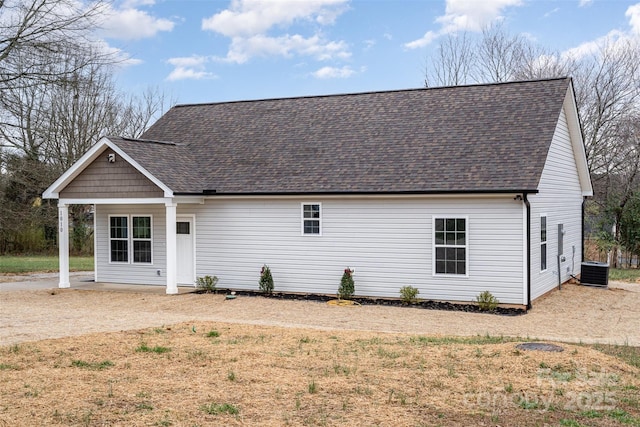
x,y
149,141
196,104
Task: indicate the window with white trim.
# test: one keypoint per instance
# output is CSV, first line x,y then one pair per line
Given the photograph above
x,y
141,239
450,245
130,239
543,242
119,238
311,219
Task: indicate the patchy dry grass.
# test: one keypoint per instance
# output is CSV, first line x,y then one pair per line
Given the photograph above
x,y
199,374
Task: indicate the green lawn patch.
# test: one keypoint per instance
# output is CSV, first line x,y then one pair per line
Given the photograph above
x,y
624,275
17,264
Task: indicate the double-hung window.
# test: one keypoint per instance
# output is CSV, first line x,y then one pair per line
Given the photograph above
x,y
130,239
450,245
141,238
119,238
311,219
543,242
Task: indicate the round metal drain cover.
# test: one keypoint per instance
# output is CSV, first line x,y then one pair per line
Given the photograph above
x,y
540,346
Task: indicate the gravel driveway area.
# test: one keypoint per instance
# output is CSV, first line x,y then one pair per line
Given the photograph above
x,y
573,314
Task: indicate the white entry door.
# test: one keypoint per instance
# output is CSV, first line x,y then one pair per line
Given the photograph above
x,y
185,250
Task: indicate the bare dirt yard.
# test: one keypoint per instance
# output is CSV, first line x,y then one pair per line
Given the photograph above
x,y
87,357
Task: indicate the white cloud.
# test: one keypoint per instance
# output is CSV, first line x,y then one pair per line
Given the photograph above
x,y
189,68
473,15
584,3
132,24
244,48
612,42
120,58
425,40
188,61
250,17
248,23
334,72
633,12
609,43
551,12
465,15
181,73
369,44
135,3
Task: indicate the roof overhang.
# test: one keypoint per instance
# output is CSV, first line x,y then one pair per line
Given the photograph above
x,y
577,141
53,192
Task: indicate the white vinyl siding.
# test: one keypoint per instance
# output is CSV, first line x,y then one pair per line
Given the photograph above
x,y
387,241
560,198
140,272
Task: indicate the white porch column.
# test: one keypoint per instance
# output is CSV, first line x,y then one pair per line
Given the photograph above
x,y
172,270
63,244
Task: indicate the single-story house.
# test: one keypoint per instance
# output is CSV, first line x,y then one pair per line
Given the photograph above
x,y
451,190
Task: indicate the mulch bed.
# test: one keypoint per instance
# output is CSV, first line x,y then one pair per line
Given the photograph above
x,y
426,304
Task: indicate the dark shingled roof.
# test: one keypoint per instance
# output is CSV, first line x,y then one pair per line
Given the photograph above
x,y
478,138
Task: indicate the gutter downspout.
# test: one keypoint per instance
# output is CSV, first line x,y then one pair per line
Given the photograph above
x,y
584,201
528,206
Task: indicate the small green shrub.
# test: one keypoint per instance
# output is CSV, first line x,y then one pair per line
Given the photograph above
x,y
144,348
213,334
224,408
487,302
98,366
347,286
266,280
207,283
409,294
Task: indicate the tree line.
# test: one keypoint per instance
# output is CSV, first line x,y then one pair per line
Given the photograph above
x,y
58,97
607,86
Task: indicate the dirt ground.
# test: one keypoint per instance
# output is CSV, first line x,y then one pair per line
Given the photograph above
x,y
108,355
574,314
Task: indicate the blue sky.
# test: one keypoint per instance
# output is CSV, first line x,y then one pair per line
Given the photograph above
x,y
210,51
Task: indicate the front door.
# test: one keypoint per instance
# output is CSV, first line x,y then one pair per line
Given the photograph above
x,y
185,250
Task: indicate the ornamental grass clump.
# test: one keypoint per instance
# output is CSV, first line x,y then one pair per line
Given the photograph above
x,y
347,286
266,280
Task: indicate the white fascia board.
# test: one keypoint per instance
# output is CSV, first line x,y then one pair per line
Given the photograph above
x,y
575,134
53,192
189,200
122,201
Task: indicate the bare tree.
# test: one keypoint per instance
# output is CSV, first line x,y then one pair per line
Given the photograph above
x,y
453,64
137,112
35,33
499,54
607,86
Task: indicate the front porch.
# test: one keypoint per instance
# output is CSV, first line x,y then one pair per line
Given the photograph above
x,y
136,241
